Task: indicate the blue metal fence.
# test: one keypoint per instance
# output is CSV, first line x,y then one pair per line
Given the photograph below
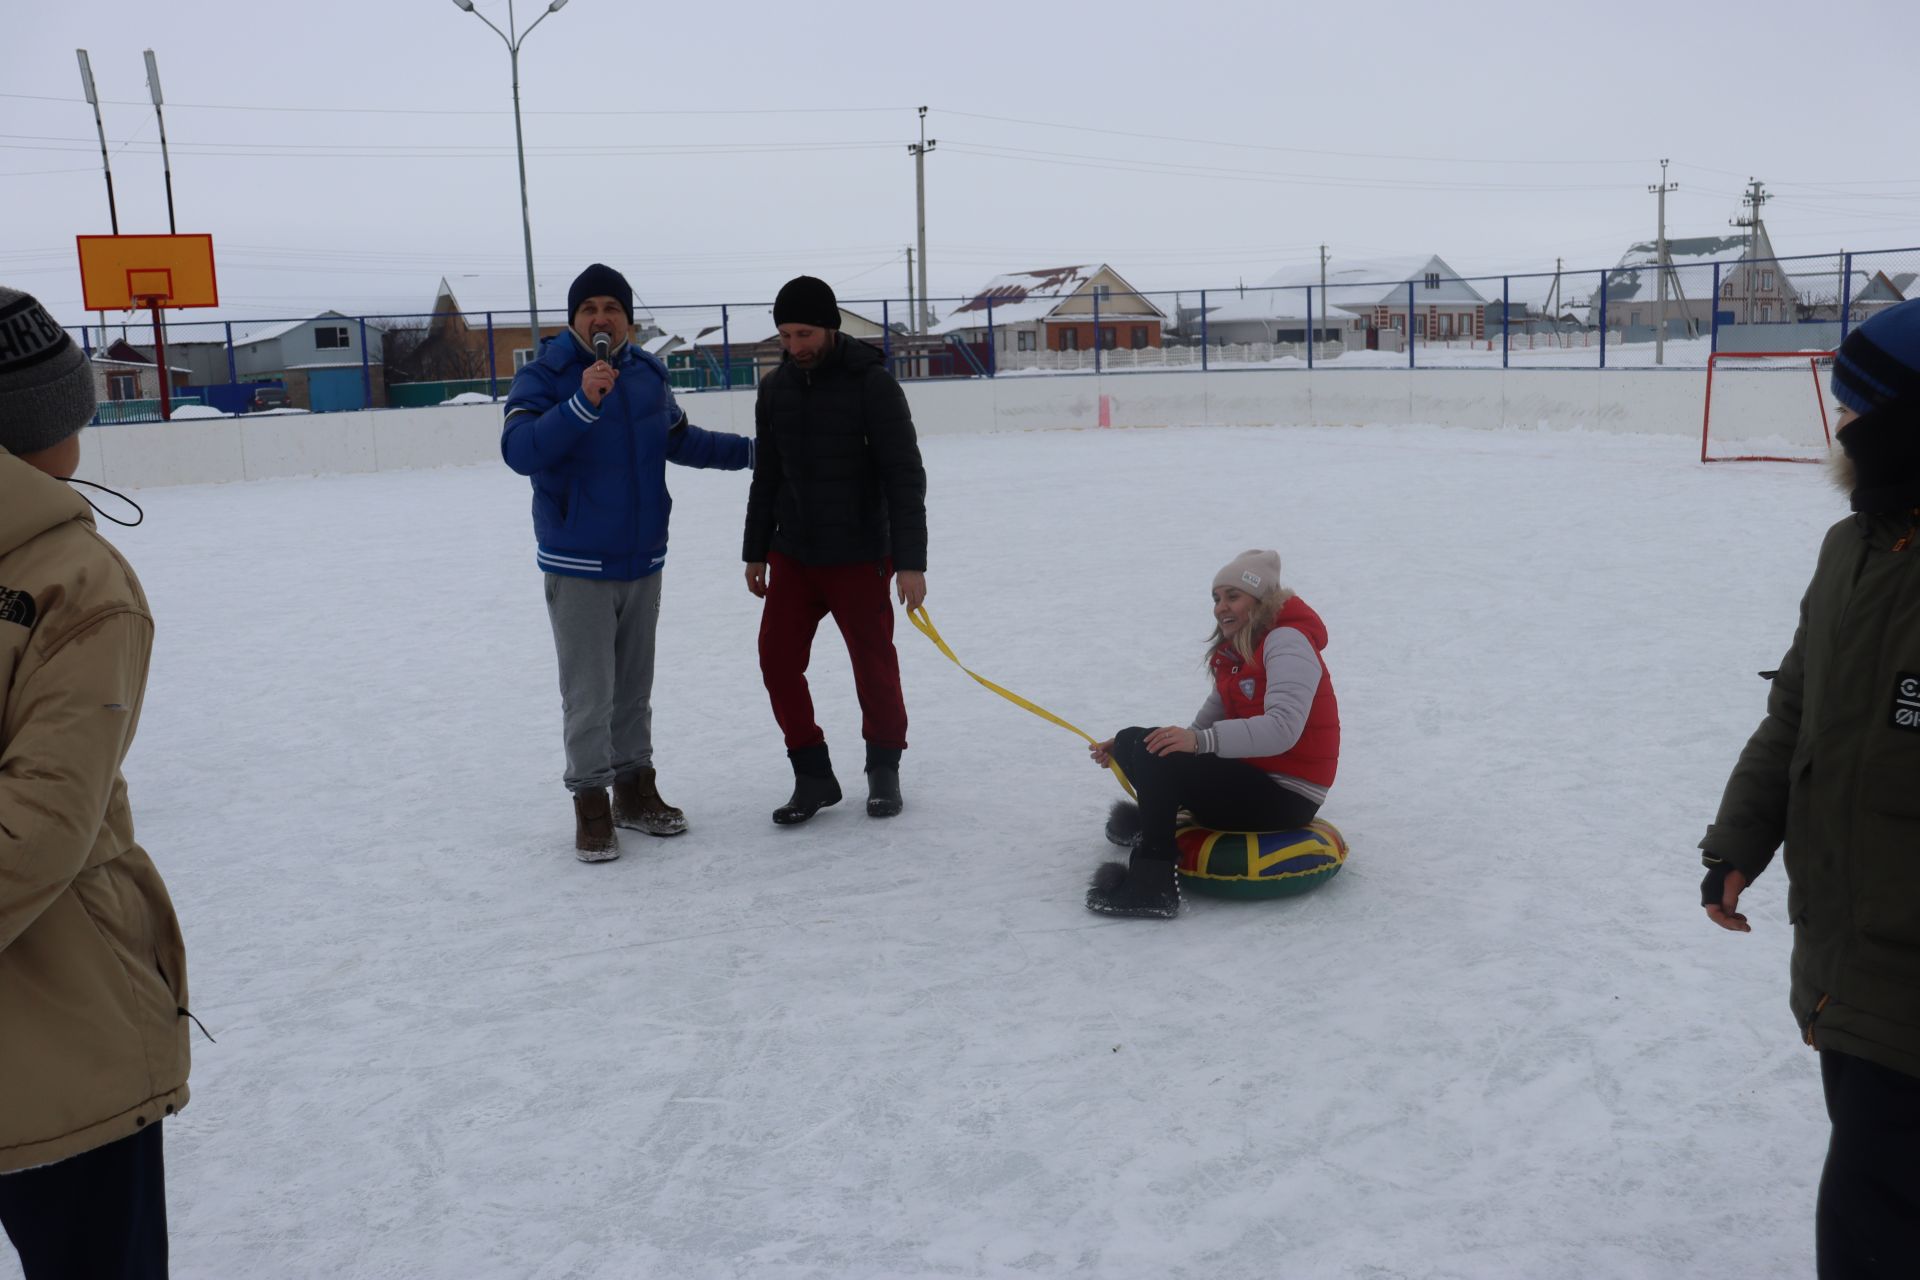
x,y
1631,315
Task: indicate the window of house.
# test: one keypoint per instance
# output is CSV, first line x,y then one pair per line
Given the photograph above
x,y
1766,279
1633,317
1069,339
1766,313
1105,292
1139,337
521,357
331,336
123,386
1109,337
1026,337
1726,290
1433,279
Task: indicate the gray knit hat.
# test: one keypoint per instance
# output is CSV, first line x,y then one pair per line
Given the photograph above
x,y
1255,572
46,388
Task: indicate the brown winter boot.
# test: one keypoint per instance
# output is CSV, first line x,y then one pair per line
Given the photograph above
x,y
637,805
593,838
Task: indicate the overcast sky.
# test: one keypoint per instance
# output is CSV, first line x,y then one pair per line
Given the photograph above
x,y
348,155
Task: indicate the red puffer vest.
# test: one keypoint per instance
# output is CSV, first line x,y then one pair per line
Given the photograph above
x,y
1242,683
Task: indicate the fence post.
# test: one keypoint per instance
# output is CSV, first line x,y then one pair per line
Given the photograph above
x,y
1203,330
726,350
993,360
1096,328
1311,335
233,375
1506,320
366,371
1603,319
1409,324
493,376
886,335
1846,292
1713,313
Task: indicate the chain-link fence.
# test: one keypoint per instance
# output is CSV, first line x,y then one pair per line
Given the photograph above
x,y
1411,313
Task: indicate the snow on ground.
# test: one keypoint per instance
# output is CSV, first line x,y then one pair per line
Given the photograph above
x,y
1503,1043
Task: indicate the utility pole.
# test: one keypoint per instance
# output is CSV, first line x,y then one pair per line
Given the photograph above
x,y
166,165
1311,332
1660,269
113,213
913,311
924,318
1755,197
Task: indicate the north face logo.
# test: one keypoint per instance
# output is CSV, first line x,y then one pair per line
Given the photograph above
x,y
1906,701
17,606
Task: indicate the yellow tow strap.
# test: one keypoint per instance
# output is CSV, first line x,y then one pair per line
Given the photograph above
x,y
924,623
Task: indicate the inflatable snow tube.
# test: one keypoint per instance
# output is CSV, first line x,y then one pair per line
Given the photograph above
x,y
1259,864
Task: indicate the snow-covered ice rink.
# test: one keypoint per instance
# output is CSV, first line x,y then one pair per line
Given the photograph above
x,y
1504,1042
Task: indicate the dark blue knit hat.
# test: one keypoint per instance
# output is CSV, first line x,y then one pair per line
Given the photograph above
x,y
1879,363
600,281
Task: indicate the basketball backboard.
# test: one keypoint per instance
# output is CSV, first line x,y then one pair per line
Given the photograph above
x,y
122,273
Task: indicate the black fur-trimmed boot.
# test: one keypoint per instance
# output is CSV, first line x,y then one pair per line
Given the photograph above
x,y
1143,886
883,782
1123,823
814,786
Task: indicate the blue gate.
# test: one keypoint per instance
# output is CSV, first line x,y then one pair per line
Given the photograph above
x,y
329,390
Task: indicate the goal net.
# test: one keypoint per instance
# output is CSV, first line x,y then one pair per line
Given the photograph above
x,y
1768,406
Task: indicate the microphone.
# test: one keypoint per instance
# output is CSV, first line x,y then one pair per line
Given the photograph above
x,y
601,345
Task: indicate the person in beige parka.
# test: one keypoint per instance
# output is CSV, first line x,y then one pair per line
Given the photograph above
x,y
93,982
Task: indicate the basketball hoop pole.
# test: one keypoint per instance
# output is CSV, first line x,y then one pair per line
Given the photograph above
x,y
160,357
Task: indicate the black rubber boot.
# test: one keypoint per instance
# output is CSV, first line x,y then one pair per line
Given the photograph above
x,y
1144,886
814,786
883,782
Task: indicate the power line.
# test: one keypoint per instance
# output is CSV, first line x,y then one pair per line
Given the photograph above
x,y
464,111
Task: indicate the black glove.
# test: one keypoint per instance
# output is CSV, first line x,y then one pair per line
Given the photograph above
x,y
1713,886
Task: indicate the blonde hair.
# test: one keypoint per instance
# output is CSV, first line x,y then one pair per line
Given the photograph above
x,y
1248,639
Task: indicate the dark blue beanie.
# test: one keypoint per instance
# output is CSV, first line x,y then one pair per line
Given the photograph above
x,y
600,281
1879,363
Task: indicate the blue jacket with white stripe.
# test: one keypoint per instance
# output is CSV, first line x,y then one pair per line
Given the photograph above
x,y
600,501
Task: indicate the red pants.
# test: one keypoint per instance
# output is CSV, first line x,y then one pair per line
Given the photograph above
x,y
798,596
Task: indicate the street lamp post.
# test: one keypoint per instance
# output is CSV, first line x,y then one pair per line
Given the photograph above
x,y
513,43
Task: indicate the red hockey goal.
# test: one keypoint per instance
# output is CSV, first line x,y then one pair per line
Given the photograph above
x,y
1761,408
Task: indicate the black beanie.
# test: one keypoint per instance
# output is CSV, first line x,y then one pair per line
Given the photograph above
x,y
806,300
600,281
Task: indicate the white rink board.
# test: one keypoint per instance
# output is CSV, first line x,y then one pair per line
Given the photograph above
x,y
1631,401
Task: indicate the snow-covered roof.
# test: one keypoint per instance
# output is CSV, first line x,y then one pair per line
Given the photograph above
x,y
1634,279
1354,286
1024,297
749,326
280,328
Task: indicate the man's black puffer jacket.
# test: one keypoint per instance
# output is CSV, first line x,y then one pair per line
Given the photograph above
x,y
837,477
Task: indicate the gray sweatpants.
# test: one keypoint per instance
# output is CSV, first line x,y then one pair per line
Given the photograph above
x,y
603,635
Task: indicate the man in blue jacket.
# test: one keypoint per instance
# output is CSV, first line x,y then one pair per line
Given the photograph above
x,y
593,422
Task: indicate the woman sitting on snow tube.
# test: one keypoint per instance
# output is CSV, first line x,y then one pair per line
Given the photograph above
x,y
1259,756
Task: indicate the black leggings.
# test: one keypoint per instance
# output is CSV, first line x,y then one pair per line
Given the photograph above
x,y
101,1214
1227,795
1867,1223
